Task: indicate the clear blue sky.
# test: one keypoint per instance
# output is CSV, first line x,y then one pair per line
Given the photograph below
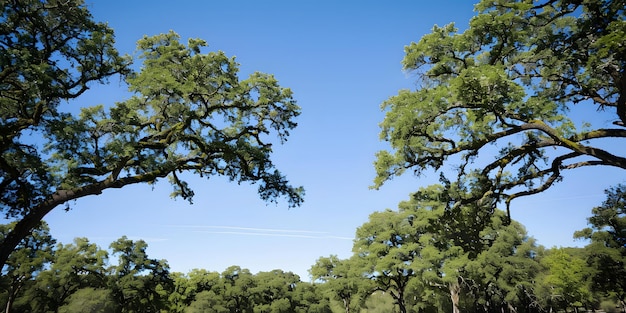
x,y
341,59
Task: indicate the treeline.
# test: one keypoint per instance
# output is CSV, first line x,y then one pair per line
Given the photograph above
x,y
42,276
427,256
432,255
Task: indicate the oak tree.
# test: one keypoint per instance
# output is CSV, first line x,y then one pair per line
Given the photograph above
x,y
74,266
505,87
344,280
606,253
386,249
90,300
32,255
566,282
189,112
138,283
188,286
478,258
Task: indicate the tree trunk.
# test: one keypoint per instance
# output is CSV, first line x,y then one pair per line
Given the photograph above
x,y
400,300
455,290
11,298
621,100
21,230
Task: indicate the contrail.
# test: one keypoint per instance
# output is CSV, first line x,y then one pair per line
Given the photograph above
x,y
255,231
251,229
272,234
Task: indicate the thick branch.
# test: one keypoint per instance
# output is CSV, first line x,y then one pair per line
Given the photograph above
x,y
35,215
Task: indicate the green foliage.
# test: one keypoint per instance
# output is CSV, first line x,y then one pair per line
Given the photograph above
x,y
311,299
343,280
432,246
386,249
510,81
207,302
33,254
275,291
567,283
606,253
189,112
187,287
75,266
90,300
140,284
504,273
379,302
51,51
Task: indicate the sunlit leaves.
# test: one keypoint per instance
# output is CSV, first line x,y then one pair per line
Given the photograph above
x,y
606,253
508,80
443,247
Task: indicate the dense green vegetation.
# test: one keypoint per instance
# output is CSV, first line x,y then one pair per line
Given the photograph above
x,y
422,257
510,77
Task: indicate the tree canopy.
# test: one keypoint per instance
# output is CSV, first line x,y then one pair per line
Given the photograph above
x,y
606,253
189,112
425,247
510,80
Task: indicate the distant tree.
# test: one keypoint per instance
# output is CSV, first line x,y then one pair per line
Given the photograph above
x,y
503,275
189,112
75,266
275,291
311,299
606,253
503,88
567,280
238,292
380,302
31,256
90,300
78,265
344,280
430,245
387,250
208,302
186,287
139,284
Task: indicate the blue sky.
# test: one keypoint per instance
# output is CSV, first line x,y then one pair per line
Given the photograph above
x,y
341,59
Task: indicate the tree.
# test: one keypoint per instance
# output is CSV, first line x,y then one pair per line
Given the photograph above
x,y
606,253
430,245
189,112
238,292
31,256
567,280
74,266
139,284
275,292
90,300
386,249
502,277
208,302
448,237
510,80
311,299
344,279
186,287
